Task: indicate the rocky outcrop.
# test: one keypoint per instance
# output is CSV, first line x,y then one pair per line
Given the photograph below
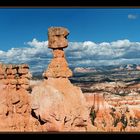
x,y
16,76
59,105
14,97
114,113
100,111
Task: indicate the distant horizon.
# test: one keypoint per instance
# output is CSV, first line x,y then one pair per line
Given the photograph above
x,y
98,36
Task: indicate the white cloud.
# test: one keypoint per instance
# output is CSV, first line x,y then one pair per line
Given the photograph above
x,y
121,43
37,44
87,53
104,53
132,16
37,54
89,44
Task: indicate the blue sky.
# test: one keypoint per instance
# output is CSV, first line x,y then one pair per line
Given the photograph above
x,y
93,31
22,25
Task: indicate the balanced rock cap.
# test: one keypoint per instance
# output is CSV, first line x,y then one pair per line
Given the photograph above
x,y
58,31
57,37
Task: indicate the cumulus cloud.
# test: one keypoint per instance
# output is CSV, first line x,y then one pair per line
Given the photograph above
x,y
37,44
35,54
86,53
105,53
132,16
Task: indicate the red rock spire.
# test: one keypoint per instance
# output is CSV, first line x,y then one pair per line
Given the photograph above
x,y
57,41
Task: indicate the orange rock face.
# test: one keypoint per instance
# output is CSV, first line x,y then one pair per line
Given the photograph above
x,y
109,117
14,98
100,112
58,68
58,103
17,75
57,37
58,53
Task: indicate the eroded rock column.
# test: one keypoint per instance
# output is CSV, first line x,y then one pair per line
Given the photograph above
x,y
57,41
56,102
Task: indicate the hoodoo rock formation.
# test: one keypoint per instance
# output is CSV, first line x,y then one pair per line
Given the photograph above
x,y
58,66
57,103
